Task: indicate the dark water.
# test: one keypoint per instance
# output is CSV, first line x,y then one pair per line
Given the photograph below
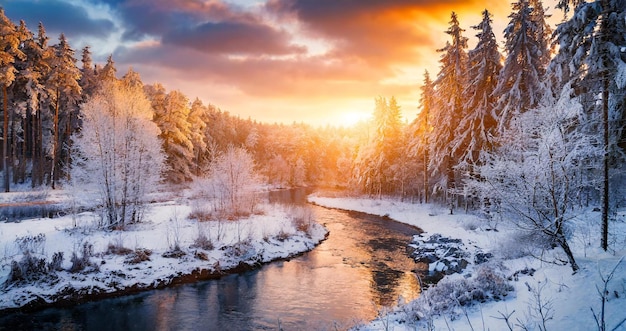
x,y
359,269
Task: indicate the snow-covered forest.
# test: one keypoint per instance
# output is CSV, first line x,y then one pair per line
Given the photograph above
x,y
527,131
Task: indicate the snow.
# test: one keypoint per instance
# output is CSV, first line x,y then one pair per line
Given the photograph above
x,y
269,235
569,297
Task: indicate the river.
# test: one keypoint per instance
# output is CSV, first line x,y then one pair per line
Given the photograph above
x,y
361,268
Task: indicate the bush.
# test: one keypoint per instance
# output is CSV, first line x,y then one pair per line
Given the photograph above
x,y
82,260
302,219
32,267
29,268
57,261
450,295
203,242
31,244
118,249
138,255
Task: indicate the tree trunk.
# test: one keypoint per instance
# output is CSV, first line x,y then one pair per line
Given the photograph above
x,y
5,138
55,140
605,124
560,238
426,173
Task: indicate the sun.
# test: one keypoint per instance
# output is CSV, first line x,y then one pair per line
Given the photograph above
x,y
352,118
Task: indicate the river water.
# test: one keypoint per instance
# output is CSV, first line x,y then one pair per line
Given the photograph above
x,y
361,268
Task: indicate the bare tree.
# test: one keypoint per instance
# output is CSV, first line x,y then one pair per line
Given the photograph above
x,y
233,178
534,175
121,152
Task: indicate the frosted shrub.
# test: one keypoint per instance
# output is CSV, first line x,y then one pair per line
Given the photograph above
x,y
31,244
116,247
81,261
302,219
32,266
202,241
56,262
451,295
138,255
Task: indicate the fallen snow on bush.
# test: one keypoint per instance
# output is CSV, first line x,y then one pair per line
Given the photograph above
x,y
544,295
47,260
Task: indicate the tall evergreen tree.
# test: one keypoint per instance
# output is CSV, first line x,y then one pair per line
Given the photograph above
x,y
197,116
65,93
520,85
23,98
476,130
41,58
419,131
88,80
448,112
171,113
376,162
10,40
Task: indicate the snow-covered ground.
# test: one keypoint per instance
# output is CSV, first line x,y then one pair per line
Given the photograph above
x,y
565,299
271,234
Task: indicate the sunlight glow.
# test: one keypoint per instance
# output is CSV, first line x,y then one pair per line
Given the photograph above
x,y
352,118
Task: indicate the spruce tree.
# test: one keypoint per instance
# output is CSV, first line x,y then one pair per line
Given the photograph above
x,y
65,93
448,110
520,86
10,40
476,129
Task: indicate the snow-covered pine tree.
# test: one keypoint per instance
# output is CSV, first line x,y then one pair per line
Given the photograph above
x,y
24,98
196,119
376,162
419,131
65,93
476,131
88,80
108,73
520,86
10,40
448,110
171,114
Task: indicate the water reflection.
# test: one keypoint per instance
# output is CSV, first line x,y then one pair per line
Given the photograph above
x,y
360,268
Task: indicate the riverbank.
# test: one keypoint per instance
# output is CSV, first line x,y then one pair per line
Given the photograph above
x,y
567,299
67,260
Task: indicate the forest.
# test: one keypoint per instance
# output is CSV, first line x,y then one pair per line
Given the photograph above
x,y
535,129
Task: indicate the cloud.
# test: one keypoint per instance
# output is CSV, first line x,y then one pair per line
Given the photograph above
x,y
58,17
234,38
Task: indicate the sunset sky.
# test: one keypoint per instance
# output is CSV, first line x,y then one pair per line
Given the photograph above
x,y
315,61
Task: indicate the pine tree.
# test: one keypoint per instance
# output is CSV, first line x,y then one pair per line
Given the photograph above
x,y
198,139
171,114
10,40
448,110
108,73
476,130
88,80
24,96
65,93
520,85
40,57
419,131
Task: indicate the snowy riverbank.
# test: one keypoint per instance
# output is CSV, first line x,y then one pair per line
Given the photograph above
x,y
167,248
566,299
